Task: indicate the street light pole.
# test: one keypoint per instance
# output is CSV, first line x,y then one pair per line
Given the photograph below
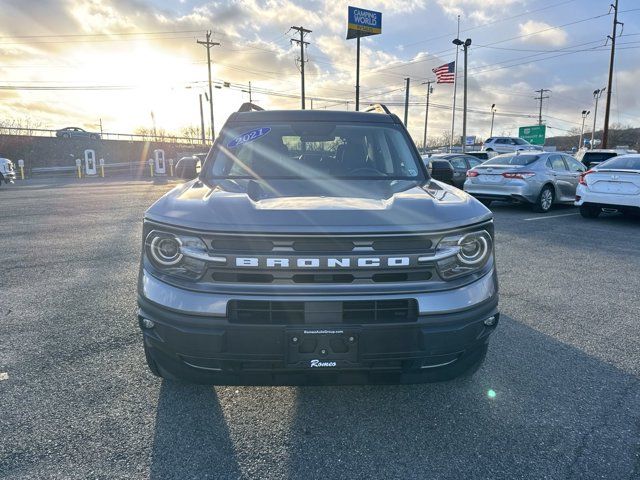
x,y
585,114
596,94
493,114
465,45
426,113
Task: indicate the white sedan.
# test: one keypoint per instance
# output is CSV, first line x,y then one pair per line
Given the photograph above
x,y
614,184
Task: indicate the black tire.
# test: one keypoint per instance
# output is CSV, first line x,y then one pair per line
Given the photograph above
x,y
590,211
153,367
489,150
544,202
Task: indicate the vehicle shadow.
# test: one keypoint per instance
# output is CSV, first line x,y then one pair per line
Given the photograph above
x,y
191,438
557,413
538,408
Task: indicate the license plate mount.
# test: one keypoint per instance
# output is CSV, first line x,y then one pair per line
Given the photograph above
x,y
322,348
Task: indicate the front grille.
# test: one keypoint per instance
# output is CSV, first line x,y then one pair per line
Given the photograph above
x,y
322,247
265,244
257,312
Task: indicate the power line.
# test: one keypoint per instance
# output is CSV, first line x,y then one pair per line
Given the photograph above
x,y
72,35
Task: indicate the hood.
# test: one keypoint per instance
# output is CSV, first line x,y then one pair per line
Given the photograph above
x,y
294,207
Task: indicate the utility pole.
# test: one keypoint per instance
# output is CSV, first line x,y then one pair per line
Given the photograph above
x,y
542,97
605,133
249,92
406,101
208,44
465,46
596,94
426,113
202,134
493,114
302,31
585,114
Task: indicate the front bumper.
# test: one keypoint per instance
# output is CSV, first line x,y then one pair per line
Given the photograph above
x,y
193,339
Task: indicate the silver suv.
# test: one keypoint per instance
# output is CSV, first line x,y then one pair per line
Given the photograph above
x,y
314,248
508,144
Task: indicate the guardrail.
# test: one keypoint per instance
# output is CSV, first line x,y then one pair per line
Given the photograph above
x,y
43,132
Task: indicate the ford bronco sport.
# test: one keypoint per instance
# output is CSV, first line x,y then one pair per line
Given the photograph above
x,y
314,248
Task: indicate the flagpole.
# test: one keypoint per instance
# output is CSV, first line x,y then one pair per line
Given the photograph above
x,y
455,88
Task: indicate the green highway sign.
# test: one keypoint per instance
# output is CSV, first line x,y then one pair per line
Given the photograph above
x,y
535,135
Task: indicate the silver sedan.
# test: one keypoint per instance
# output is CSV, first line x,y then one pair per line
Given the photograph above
x,y
541,179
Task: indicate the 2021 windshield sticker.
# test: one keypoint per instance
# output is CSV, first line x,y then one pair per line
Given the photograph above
x,y
249,136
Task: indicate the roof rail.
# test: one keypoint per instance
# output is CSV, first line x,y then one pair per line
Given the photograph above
x,y
378,108
249,107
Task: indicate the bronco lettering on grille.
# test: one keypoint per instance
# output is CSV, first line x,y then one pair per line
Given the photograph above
x,y
305,263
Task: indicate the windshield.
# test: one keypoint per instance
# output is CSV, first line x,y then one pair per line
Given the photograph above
x,y
514,160
309,150
621,163
597,156
519,141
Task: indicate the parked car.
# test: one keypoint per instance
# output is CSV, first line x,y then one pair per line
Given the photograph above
x,y
508,145
439,169
460,163
284,264
482,155
189,166
76,132
7,171
591,158
539,179
614,184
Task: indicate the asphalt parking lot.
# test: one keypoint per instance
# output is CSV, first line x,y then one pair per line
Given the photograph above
x,y
77,401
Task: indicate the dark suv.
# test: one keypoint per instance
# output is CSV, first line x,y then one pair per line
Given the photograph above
x,y
314,248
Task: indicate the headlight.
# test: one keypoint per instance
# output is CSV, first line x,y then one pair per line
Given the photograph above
x,y
179,255
472,251
165,250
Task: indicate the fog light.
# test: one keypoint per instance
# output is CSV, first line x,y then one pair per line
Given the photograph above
x,y
146,323
490,322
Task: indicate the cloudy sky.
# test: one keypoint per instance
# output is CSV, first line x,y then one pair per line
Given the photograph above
x,y
74,62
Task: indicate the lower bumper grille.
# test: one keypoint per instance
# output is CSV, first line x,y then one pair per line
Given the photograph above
x,y
255,312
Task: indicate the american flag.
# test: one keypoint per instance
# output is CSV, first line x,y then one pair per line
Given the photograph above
x,y
445,73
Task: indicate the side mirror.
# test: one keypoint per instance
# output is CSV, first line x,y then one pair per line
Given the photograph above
x,y
186,168
442,170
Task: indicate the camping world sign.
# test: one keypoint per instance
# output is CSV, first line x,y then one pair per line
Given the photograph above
x,y
362,23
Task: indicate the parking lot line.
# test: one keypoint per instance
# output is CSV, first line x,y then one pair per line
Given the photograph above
x,y
550,216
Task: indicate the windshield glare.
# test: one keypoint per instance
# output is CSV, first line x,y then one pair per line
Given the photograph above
x,y
513,160
312,150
